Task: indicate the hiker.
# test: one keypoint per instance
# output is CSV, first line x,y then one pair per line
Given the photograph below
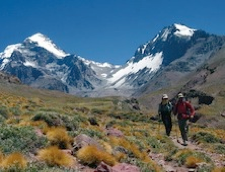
x,y
184,111
164,112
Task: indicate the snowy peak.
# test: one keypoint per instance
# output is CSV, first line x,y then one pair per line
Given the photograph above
x,y
148,64
177,30
9,50
44,42
183,31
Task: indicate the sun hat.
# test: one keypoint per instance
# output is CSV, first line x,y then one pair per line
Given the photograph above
x,y
164,96
180,95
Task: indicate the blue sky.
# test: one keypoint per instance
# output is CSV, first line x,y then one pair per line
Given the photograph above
x,y
104,30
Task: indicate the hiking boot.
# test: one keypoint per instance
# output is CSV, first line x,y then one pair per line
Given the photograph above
x,y
184,143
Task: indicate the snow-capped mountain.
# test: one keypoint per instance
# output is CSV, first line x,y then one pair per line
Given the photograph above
x,y
38,62
170,44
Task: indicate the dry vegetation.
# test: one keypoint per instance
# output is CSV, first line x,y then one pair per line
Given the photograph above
x,y
37,125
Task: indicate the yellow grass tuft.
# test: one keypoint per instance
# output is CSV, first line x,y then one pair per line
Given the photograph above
x,y
127,145
191,161
182,152
92,156
106,146
53,156
58,136
1,157
120,156
219,169
14,160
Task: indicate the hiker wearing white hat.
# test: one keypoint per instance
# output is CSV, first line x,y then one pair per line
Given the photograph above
x,y
164,112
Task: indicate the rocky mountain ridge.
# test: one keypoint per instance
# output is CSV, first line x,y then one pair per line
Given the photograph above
x,y
176,51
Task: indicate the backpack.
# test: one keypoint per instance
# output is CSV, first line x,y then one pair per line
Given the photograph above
x,y
188,112
167,108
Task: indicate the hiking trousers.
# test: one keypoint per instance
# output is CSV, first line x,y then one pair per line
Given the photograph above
x,y
183,126
167,123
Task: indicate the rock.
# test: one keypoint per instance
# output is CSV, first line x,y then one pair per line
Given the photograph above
x,y
124,167
191,170
169,169
223,114
114,132
103,167
67,151
84,140
93,121
121,149
39,132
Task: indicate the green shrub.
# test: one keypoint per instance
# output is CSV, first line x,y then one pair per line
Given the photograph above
x,y
92,133
98,111
145,167
19,139
182,155
4,111
205,137
135,117
219,148
154,143
15,111
56,119
52,119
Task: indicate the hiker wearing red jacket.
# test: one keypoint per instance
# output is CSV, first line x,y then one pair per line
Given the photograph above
x,y
184,111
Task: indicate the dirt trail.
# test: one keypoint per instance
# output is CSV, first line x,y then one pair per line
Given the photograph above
x,y
172,166
218,159
168,166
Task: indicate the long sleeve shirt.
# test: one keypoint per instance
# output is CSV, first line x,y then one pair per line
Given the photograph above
x,y
184,110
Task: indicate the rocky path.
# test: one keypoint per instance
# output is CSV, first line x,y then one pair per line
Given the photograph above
x,y
218,159
168,166
172,166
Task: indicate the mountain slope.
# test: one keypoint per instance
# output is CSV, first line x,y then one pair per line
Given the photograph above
x,y
199,49
39,63
175,52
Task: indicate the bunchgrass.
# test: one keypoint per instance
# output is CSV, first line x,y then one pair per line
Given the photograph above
x,y
92,156
53,156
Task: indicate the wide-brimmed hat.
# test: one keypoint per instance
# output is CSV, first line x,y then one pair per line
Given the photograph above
x,y
164,96
180,95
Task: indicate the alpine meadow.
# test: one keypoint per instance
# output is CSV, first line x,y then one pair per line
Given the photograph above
x,y
62,112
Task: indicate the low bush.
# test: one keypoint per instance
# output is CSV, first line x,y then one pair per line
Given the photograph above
x,y
53,156
19,139
59,137
92,132
92,156
56,119
135,117
191,161
191,158
14,162
144,166
219,148
15,111
52,119
205,137
219,169
4,111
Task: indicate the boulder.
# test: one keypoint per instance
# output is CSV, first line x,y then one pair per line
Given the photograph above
x,y
124,167
223,114
114,132
121,167
84,140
